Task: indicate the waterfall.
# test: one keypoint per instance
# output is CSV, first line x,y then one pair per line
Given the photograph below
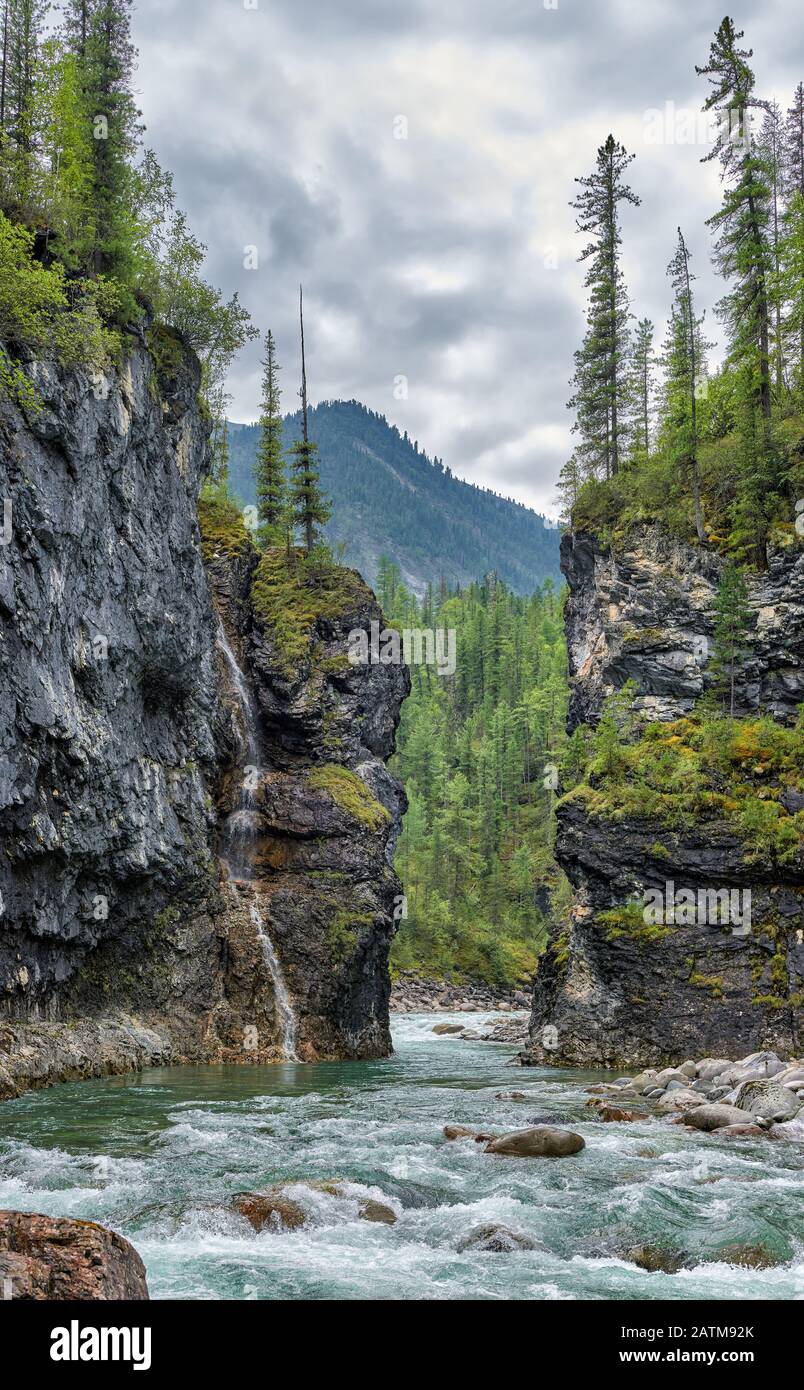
x,y
238,843
284,1008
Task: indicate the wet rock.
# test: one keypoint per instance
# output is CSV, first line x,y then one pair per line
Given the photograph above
x,y
443,1029
511,1095
542,1141
462,1132
278,1209
709,1117
656,1259
746,1256
677,1100
767,1100
495,1239
741,1132
53,1258
610,1114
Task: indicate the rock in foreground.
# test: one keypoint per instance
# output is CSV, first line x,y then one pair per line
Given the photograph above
x,y
45,1257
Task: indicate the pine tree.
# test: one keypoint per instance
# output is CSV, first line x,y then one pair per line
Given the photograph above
x,y
770,141
599,379
793,161
741,251
641,390
685,363
270,463
732,626
102,39
309,508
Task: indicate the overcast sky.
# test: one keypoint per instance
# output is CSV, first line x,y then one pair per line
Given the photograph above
x,y
447,257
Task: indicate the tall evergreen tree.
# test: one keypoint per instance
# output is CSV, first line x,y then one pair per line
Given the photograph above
x,y
641,389
741,224
732,626
270,462
685,364
309,508
107,57
793,157
600,364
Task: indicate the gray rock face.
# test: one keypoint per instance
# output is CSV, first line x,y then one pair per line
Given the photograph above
x,y
646,613
120,942
611,998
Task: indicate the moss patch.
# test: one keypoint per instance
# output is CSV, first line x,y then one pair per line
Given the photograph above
x,y
348,792
291,593
223,530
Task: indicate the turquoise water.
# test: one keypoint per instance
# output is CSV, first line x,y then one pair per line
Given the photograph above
x,y
158,1155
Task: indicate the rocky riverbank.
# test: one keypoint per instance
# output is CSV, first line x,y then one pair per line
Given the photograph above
x,y
412,994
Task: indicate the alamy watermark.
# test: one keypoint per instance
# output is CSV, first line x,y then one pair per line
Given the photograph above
x,y
704,907
415,646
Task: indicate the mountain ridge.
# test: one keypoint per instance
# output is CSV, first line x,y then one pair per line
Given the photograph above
x,y
408,506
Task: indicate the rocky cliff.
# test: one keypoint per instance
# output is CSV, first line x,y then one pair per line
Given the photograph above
x,y
121,942
611,989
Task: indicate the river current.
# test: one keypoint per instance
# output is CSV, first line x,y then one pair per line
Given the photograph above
x,y
158,1155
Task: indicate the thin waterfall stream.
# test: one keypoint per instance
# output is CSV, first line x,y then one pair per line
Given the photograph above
x,y
238,846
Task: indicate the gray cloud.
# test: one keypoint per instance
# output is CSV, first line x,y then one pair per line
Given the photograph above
x,y
447,257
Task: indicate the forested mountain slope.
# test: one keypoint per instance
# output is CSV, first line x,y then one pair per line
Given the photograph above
x,y
389,498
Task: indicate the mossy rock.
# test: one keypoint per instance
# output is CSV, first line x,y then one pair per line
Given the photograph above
x,y
291,593
350,794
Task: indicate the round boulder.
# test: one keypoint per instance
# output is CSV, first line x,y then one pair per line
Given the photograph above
x,y
542,1141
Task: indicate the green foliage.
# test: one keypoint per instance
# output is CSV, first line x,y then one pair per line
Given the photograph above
x,y
223,530
478,752
704,768
732,626
291,591
722,468
45,315
109,234
270,467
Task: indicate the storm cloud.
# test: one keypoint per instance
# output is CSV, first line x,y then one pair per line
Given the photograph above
x,y
412,164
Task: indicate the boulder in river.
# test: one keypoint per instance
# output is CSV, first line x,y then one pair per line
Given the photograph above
x,y
542,1141
495,1239
446,1028
610,1114
279,1209
656,1259
52,1258
767,1100
709,1117
464,1132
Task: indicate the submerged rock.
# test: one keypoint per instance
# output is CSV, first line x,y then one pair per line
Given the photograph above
x,y
495,1239
53,1258
278,1209
543,1141
462,1132
656,1259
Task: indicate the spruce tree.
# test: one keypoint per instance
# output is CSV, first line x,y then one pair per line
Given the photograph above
x,y
309,508
641,390
107,68
684,363
732,626
270,463
600,363
793,163
742,251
